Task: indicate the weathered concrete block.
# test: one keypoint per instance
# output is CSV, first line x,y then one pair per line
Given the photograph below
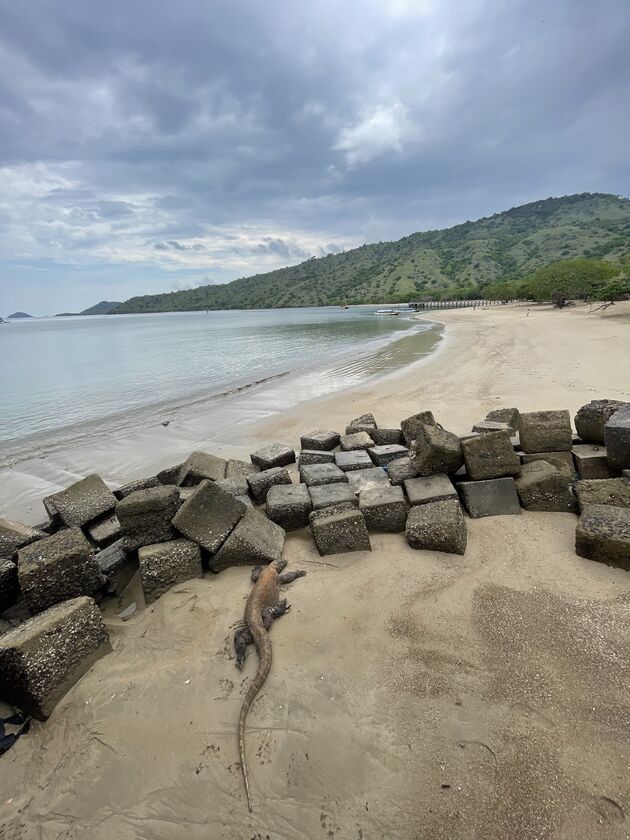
x,y
168,476
209,516
145,516
339,529
562,461
255,541
118,565
274,455
288,505
411,425
15,535
604,491
363,423
383,455
617,439
437,526
384,508
9,588
44,657
357,460
322,441
315,456
327,495
436,451
504,415
316,474
541,486
385,437
591,461
104,532
493,497
200,465
545,431
486,426
164,564
138,484
260,483
360,480
57,568
400,470
592,418
429,488
490,455
236,485
358,440
82,502
235,467
603,534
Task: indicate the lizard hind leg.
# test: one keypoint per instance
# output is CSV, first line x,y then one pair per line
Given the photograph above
x,y
280,608
242,638
289,577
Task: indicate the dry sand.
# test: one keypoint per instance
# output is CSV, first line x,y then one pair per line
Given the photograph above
x,y
412,695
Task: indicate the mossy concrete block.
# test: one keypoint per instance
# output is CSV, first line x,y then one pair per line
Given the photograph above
x,y
259,483
363,423
315,456
603,491
44,657
617,439
339,529
57,568
400,470
321,441
234,467
493,497
255,541
358,440
562,461
361,480
358,460
289,505
200,465
429,488
436,451
504,415
542,487
274,455
209,516
82,502
316,474
603,534
138,484
9,588
15,535
591,419
145,516
385,454
327,495
384,508
386,437
411,425
437,526
591,461
165,564
545,431
491,455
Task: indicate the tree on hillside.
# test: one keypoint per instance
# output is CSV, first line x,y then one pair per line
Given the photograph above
x,y
565,279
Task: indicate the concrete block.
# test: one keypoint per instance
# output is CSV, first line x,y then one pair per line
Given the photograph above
x,y
209,516
429,488
234,467
383,455
562,461
504,415
603,534
617,439
400,470
385,437
591,461
358,460
236,485
436,451
118,565
145,516
255,541
288,505
15,535
82,502
339,529
315,456
138,484
486,426
201,465
542,487
104,532
493,497
491,455
358,440
411,425
384,508
274,455
545,431
169,475
604,491
165,564
316,474
363,423
9,589
260,483
437,526
41,659
57,568
591,419
322,441
360,480
327,495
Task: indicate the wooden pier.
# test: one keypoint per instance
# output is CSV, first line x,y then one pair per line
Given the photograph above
x,y
451,304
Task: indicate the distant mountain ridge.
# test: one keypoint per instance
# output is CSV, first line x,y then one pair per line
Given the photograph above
x,y
105,307
464,258
19,315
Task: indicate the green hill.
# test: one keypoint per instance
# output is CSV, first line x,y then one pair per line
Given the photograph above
x,y
104,307
464,258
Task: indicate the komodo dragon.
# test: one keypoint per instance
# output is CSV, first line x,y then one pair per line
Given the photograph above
x,y
260,610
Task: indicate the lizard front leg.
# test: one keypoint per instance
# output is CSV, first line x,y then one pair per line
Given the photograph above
x,y
242,638
289,577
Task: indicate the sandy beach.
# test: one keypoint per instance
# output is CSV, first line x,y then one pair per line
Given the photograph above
x,y
413,695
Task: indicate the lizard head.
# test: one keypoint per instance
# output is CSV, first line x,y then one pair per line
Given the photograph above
x,y
280,564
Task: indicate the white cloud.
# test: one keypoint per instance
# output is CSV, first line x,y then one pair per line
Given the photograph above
x,y
379,132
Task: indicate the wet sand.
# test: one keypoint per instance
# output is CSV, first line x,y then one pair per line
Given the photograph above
x,y
412,694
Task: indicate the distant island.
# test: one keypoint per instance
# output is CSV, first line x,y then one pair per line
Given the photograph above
x,y
105,307
19,315
463,262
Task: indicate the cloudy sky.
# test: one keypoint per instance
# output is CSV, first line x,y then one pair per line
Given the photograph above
x,y
154,145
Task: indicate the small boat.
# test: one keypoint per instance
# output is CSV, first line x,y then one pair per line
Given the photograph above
x,y
387,312
344,305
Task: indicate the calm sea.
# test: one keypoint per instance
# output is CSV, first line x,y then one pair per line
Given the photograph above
x,y
58,372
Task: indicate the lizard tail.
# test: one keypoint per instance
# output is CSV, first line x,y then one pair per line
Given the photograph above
x,y
264,666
